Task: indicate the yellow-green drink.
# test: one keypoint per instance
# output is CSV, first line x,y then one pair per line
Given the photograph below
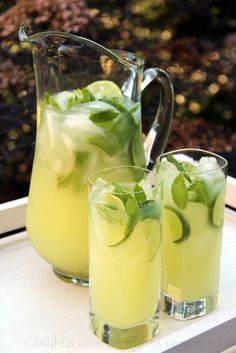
x,y
125,239
78,132
193,213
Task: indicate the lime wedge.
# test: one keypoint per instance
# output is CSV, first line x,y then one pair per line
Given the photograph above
x,y
218,209
104,88
178,227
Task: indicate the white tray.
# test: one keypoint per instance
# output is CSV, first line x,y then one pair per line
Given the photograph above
x,y
40,313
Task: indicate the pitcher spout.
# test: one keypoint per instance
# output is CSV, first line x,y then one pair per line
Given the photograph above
x,y
25,32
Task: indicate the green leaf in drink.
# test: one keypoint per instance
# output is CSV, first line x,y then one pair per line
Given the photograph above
x,y
196,191
121,193
117,103
87,96
140,194
133,203
106,119
50,100
137,153
201,192
179,192
131,206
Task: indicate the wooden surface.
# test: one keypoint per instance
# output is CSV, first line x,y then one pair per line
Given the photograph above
x,y
40,313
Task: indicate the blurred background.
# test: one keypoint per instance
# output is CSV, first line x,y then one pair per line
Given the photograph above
x,y
194,41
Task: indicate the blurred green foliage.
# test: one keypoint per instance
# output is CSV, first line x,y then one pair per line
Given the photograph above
x,y
194,41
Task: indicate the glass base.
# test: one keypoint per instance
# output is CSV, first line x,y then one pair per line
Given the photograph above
x,y
127,337
71,279
187,310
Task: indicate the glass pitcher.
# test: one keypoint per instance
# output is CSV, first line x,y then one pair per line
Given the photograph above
x,y
88,118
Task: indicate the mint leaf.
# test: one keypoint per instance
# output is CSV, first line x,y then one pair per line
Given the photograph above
x,y
87,96
133,220
106,119
115,102
179,192
139,194
132,209
136,151
134,108
201,192
179,166
121,193
81,157
102,143
131,206
50,100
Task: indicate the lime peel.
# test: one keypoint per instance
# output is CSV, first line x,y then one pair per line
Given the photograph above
x,y
180,228
218,210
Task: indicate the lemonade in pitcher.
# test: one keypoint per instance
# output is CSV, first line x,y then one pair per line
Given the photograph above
x,y
88,118
79,131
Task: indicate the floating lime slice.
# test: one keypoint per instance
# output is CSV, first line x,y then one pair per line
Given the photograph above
x,y
104,88
144,242
178,226
113,202
218,210
113,212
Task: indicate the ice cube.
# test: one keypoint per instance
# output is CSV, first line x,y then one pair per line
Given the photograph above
x,y
209,169
167,171
62,98
207,164
78,125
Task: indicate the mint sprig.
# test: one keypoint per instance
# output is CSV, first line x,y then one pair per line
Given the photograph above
x,y
187,187
137,208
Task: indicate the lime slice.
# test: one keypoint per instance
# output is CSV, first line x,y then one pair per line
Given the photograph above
x,y
104,88
113,212
218,210
144,243
113,202
178,227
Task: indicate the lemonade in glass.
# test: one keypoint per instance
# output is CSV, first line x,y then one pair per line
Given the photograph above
x,y
194,184
124,245
78,132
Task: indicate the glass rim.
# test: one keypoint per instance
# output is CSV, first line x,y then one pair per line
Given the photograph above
x,y
158,179
205,152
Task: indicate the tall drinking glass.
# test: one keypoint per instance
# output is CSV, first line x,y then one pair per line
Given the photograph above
x,y
193,215
124,248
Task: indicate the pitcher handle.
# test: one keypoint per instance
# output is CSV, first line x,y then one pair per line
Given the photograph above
x,y
156,138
